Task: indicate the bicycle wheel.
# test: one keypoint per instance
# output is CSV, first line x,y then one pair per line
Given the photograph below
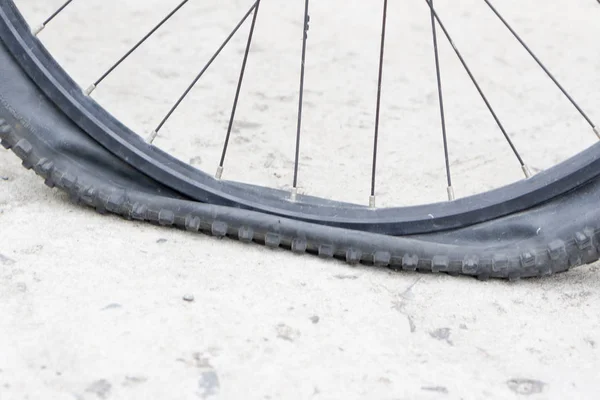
x,y
183,178
189,182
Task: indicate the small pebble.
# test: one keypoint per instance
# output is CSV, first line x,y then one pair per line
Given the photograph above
x,y
188,297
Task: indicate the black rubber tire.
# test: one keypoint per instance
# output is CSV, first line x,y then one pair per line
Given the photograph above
x,y
129,147
548,239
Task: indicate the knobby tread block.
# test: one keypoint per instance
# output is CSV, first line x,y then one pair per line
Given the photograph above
x,y
556,249
167,218
245,234
299,245
326,251
272,240
440,264
470,265
353,256
139,211
23,149
499,263
381,258
410,262
219,229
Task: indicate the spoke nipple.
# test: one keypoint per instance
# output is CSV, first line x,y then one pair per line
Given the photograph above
x,y
38,29
596,131
152,136
372,202
451,193
294,194
526,171
90,89
219,173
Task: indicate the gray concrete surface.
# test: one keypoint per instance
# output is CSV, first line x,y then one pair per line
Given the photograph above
x,y
95,307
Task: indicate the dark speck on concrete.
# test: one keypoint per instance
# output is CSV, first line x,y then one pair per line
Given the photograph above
x,y
439,389
411,323
286,333
196,160
525,386
188,297
441,334
161,241
112,306
5,260
208,384
100,388
350,277
134,380
315,319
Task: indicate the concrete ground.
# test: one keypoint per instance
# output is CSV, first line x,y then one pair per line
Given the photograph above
x,y
95,307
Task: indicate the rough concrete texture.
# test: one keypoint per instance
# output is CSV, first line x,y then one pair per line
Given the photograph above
x,y
96,307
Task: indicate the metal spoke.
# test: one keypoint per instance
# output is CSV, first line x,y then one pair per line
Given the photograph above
x,y
41,27
305,28
154,133
524,167
372,202
237,93
93,86
543,67
450,190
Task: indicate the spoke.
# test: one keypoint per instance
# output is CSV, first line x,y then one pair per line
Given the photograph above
x,y
237,93
441,101
524,167
41,27
543,67
372,202
92,87
305,28
197,78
